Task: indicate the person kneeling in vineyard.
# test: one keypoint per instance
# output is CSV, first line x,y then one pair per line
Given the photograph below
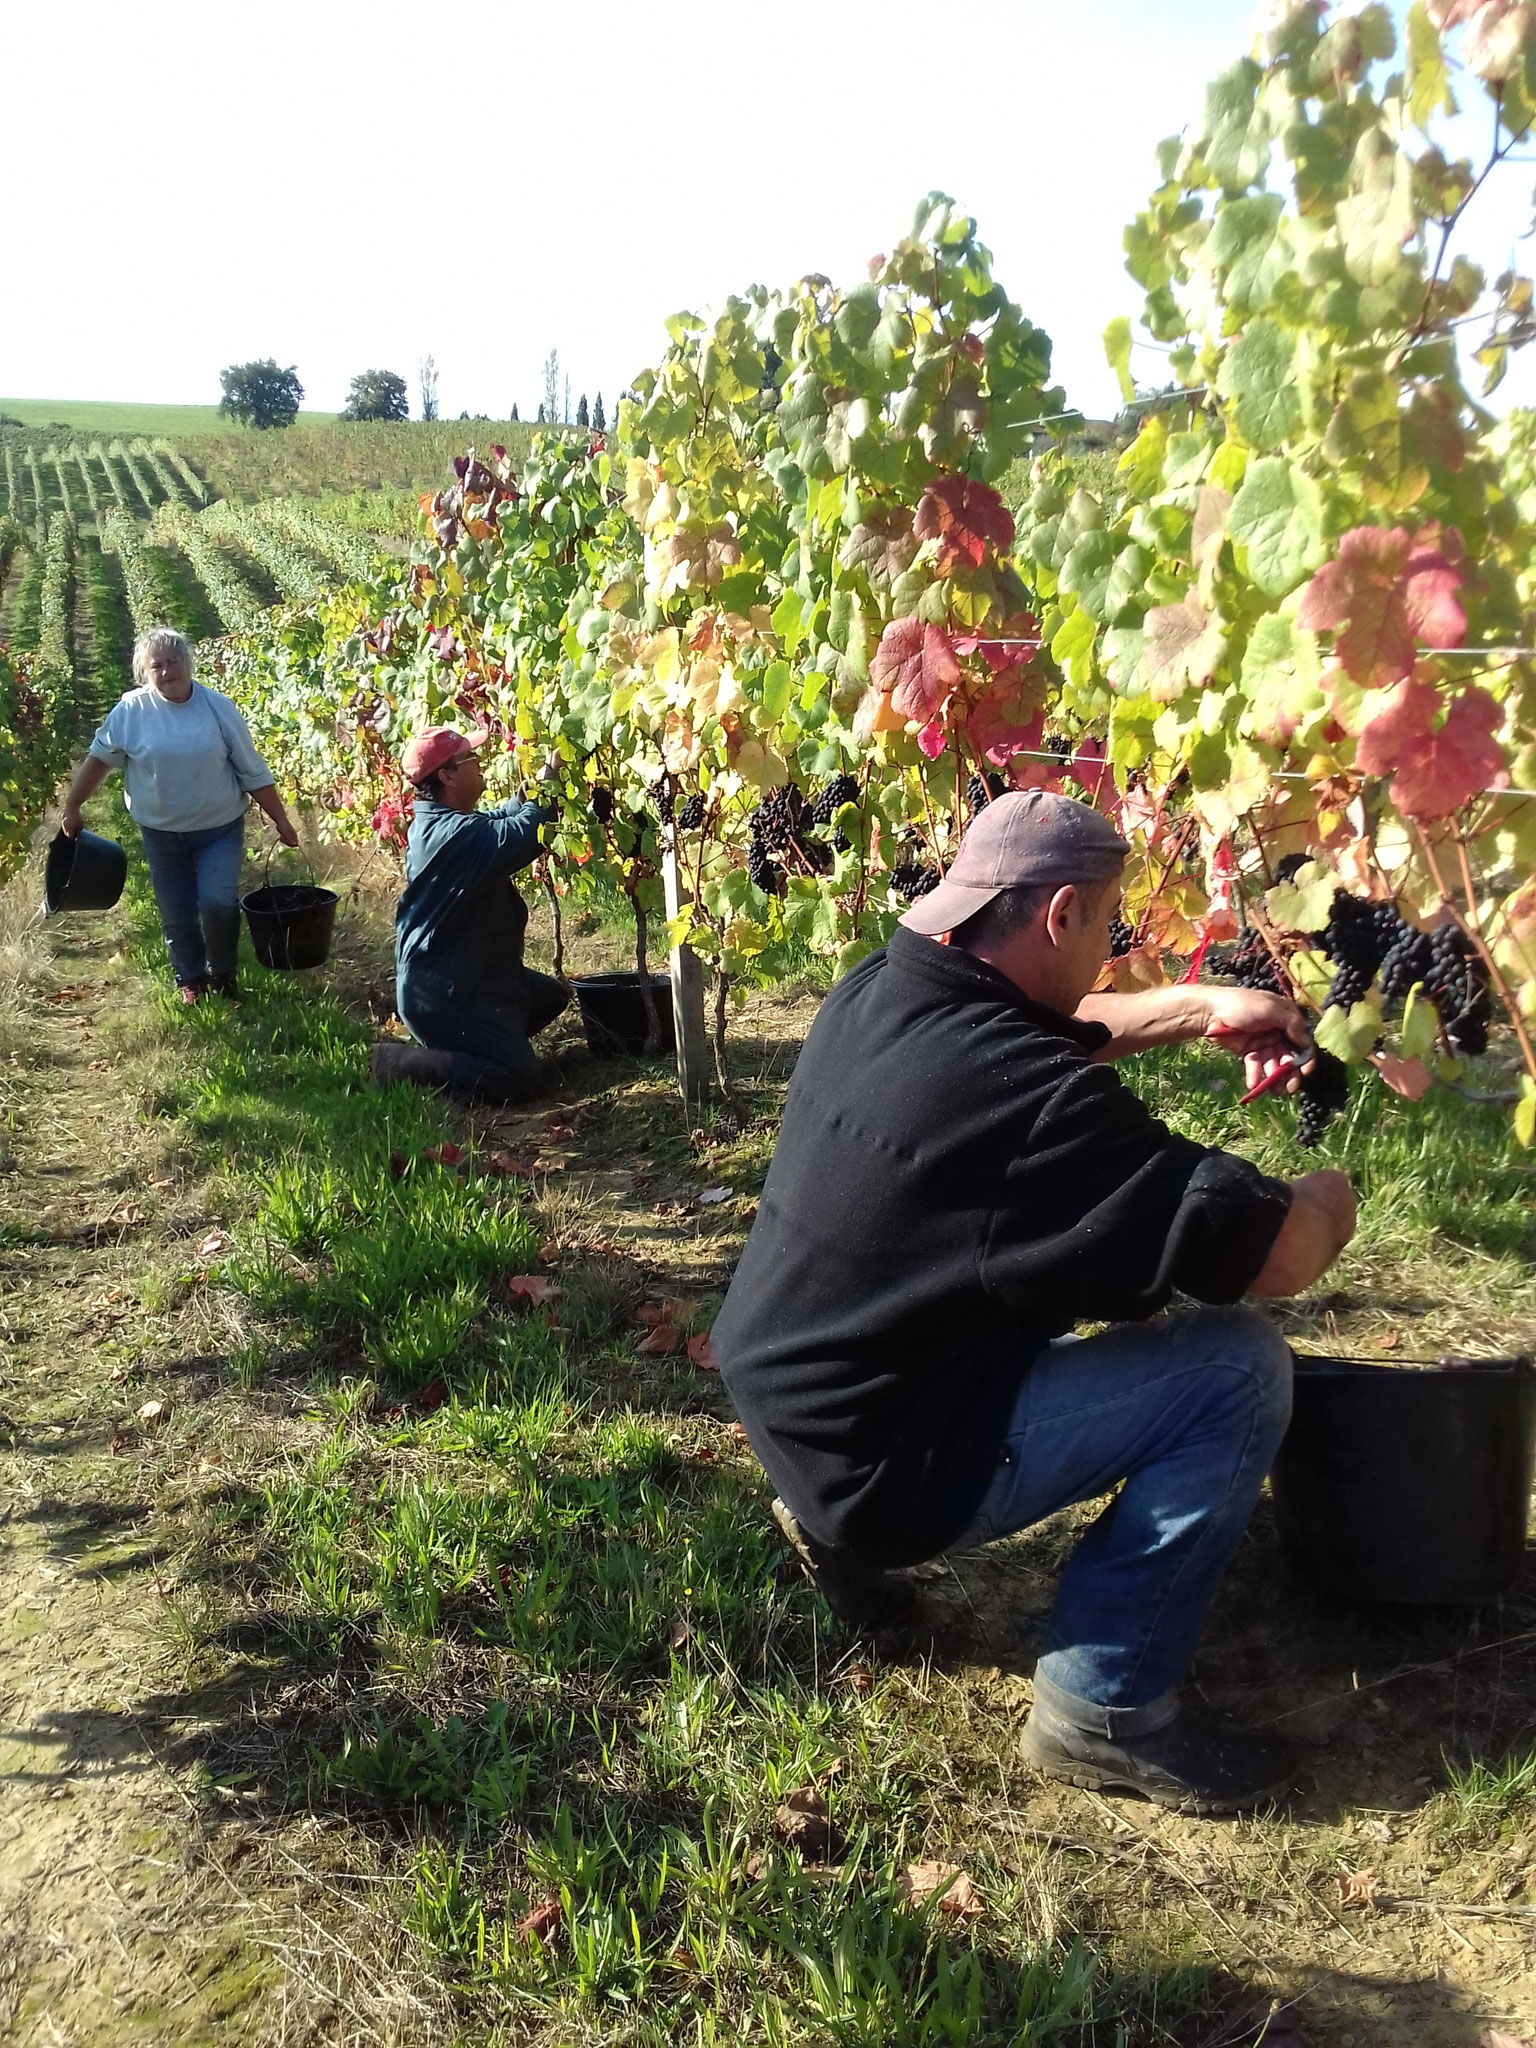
x,y
958,1181
461,988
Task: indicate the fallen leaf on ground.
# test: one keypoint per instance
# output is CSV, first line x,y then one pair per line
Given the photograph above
x,y
507,1166
119,1443
682,1633
431,1397
920,1882
660,1341
532,1288
397,1164
860,1680
504,1578
76,993
447,1154
1360,1888
676,1308
153,1413
558,1129
1389,1340
543,1922
733,1430
215,1242
754,1866
709,1196
804,1822
1490,2037
702,1352
548,1251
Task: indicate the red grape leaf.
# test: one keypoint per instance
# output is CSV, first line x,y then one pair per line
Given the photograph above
x,y
444,1155
915,663
882,546
430,1397
1388,590
1408,1078
702,1353
660,1341
1433,773
532,1288
962,517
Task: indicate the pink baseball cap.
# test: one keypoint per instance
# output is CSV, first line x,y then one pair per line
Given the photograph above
x,y
1021,840
434,749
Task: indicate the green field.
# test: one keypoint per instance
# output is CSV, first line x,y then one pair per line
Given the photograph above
x,y
113,416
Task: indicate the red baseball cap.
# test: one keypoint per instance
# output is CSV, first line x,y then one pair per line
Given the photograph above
x,y
435,748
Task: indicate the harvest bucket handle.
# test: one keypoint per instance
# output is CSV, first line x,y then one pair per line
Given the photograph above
x,y
266,866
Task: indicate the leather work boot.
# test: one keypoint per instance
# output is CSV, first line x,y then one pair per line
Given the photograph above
x,y
1199,1763
864,1598
390,1060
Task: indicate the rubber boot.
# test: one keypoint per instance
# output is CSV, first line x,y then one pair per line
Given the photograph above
x,y
392,1061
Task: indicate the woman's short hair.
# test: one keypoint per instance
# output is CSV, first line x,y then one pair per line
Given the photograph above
x,y
161,640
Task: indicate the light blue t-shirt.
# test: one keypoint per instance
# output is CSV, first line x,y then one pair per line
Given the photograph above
x,y
186,767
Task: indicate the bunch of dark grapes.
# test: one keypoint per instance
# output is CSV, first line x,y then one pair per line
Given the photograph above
x,y
602,803
1320,1097
1122,937
842,789
660,794
1353,942
981,789
691,816
1407,959
912,879
1458,982
774,827
1057,744
761,871
1286,870
1251,965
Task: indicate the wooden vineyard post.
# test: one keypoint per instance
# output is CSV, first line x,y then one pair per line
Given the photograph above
x,y
687,995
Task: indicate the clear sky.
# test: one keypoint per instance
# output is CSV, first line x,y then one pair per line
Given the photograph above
x,y
345,184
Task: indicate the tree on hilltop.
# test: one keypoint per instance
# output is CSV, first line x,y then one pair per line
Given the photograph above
x,y
552,386
514,412
259,394
377,395
426,375
597,415
583,417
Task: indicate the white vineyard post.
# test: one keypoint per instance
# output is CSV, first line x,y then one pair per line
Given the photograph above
x,y
687,978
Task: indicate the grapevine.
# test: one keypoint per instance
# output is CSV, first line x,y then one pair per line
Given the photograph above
x,y
146,600
236,603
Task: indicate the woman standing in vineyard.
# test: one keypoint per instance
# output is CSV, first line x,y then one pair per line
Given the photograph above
x,y
188,765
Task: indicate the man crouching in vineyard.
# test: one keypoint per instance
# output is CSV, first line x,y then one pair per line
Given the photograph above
x,y
958,1181
462,990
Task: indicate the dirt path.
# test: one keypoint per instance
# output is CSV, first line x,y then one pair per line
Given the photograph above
x,y
117,1922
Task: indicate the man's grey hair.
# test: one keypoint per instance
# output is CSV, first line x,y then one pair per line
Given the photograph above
x,y
161,640
1014,910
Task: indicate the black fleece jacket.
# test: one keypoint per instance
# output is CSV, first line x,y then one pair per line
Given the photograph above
x,y
955,1183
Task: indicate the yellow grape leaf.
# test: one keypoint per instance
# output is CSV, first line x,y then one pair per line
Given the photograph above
x,y
1420,1029
1350,1037
1312,974
1302,904
1525,1112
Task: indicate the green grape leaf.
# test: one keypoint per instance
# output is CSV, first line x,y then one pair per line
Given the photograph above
x,y
1312,973
1249,244
1525,1112
1237,132
1086,571
789,622
1258,373
1419,1031
1349,1037
1280,674
1378,217
1277,516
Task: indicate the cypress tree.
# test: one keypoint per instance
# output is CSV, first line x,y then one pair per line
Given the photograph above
x,y
597,415
583,418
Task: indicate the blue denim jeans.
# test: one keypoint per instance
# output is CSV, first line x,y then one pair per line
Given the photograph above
x,y
1187,1411
196,880
492,1058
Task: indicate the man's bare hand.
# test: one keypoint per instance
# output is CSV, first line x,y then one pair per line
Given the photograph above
x,y
1264,1030
1321,1222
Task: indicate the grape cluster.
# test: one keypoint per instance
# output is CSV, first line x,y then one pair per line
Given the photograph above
x,y
842,789
1251,965
912,879
774,827
981,789
691,816
1458,982
660,794
1058,744
602,803
1408,958
1286,870
1320,1097
1122,937
1353,941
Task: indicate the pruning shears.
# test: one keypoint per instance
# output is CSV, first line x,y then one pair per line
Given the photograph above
x,y
1278,1076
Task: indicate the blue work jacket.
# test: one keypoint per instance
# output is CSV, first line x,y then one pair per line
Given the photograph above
x,y
460,922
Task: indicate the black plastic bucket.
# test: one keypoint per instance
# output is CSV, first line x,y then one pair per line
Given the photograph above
x,y
83,874
1408,1483
613,1013
291,924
